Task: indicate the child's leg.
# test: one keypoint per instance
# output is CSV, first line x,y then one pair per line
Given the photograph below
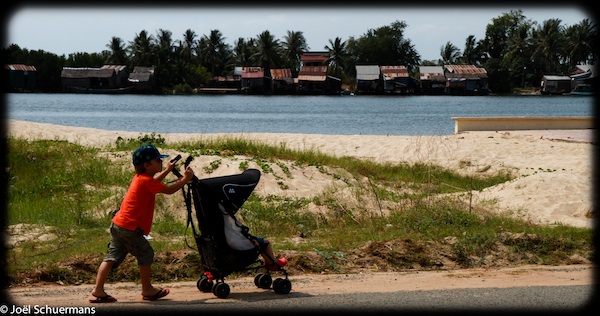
x,y
101,277
150,292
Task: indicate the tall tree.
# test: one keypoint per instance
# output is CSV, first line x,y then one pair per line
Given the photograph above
x,y
268,52
212,49
549,46
294,45
117,52
337,56
188,45
243,51
580,42
449,53
142,50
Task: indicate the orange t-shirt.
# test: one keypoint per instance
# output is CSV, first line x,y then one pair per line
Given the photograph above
x,y
137,208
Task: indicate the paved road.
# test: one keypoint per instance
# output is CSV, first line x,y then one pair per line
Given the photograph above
x,y
568,299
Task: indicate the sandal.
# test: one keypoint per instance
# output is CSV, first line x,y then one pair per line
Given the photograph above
x,y
161,293
103,299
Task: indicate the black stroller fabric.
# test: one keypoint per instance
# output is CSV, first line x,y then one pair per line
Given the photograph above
x,y
213,198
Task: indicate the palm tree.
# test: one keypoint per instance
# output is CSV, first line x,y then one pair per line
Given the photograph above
x,y
580,42
470,54
211,47
294,46
243,51
141,49
337,56
268,52
188,45
549,46
449,53
118,53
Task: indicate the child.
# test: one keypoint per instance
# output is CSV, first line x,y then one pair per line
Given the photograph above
x,y
134,220
236,240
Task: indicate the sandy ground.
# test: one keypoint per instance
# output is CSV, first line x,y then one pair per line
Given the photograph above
x,y
553,168
375,282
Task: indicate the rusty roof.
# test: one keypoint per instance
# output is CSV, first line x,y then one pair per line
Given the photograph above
x,y
465,69
313,70
281,74
312,77
394,71
19,67
252,72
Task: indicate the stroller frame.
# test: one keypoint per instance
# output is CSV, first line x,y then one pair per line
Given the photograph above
x,y
212,199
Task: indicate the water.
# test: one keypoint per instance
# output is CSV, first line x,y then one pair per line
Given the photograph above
x,y
342,115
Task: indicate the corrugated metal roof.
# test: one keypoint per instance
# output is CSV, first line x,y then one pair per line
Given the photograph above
x,y
19,67
116,68
391,72
465,69
252,72
85,72
311,77
431,73
143,69
367,72
281,74
313,70
553,77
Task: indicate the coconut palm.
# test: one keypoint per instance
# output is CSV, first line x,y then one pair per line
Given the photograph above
x,y
142,49
268,52
549,45
337,56
118,53
294,46
580,42
449,53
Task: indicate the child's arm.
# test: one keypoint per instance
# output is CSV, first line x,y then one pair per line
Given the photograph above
x,y
161,176
175,186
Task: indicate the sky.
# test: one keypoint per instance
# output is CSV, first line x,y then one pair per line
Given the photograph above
x,y
68,29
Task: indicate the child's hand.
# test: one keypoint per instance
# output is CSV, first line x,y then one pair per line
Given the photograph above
x,y
171,164
188,174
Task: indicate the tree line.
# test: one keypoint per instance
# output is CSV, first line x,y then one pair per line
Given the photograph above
x,y
516,52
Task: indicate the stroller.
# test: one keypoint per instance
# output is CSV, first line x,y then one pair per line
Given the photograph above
x,y
214,199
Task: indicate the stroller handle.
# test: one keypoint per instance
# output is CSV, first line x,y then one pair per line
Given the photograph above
x,y
175,171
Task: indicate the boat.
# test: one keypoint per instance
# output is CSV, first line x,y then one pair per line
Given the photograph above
x,y
103,91
583,89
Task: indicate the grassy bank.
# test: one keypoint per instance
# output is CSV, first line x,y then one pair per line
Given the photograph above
x,y
61,195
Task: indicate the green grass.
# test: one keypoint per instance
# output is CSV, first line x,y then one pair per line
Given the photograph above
x,y
72,189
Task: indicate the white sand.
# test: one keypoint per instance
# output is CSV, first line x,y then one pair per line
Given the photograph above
x,y
554,182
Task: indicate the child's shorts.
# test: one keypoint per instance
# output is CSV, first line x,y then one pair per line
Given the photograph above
x,y
124,241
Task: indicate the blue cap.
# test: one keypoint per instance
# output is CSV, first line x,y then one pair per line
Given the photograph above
x,y
145,154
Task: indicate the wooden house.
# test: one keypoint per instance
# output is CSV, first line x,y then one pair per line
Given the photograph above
x,y
466,80
368,79
19,77
254,81
396,79
282,81
142,79
107,79
313,78
552,84
432,80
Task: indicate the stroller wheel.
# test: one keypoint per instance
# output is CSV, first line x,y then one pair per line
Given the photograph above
x,y
264,281
257,278
221,290
282,286
204,284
